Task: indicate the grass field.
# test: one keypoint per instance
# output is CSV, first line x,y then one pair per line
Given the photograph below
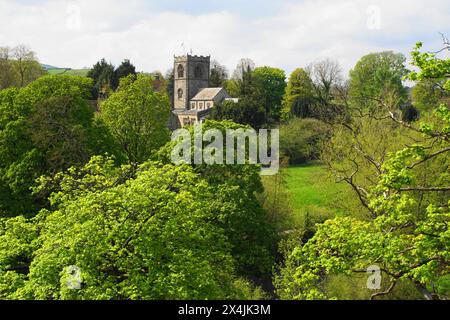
x,y
73,72
313,192
311,187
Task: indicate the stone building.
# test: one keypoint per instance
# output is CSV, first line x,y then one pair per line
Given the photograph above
x,y
193,98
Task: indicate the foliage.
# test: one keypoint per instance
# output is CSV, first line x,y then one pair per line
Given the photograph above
x,y
246,111
122,71
299,95
376,76
151,236
270,83
8,77
316,92
407,233
301,140
170,83
137,117
218,75
276,201
356,150
259,92
44,128
18,67
426,94
244,221
102,75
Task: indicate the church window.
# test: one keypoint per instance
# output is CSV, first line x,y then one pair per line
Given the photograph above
x,y
192,105
180,93
180,71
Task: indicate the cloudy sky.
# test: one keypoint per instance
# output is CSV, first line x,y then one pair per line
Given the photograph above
x,y
280,33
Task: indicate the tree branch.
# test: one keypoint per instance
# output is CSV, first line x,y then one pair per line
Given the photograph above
x,y
391,287
428,157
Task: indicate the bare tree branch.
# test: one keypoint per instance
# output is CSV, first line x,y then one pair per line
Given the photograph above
x,y
389,290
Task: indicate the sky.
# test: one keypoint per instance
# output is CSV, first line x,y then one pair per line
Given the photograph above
x,y
280,33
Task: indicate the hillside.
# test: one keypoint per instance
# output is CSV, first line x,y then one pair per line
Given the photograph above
x,y
57,70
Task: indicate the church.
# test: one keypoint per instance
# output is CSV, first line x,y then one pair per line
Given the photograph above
x,y
193,99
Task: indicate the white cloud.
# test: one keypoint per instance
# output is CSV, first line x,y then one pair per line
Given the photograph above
x,y
296,35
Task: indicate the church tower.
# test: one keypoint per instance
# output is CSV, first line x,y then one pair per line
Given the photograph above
x,y
191,74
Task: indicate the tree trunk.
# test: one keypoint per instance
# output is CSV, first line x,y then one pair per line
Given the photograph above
x,y
427,294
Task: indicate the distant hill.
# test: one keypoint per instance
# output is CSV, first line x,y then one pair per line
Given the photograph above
x,y
57,70
73,72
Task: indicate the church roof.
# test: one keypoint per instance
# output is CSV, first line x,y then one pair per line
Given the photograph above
x,y
191,112
207,94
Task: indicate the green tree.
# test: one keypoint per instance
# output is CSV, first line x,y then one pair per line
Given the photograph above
x,y
218,75
406,234
125,69
170,84
58,127
376,76
301,140
249,110
102,74
259,92
44,128
18,67
137,117
246,111
148,235
8,76
428,94
299,95
245,222
270,84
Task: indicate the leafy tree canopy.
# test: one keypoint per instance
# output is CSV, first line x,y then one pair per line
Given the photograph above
x,y
125,69
378,75
245,222
299,95
137,117
406,234
151,235
45,127
260,92
270,83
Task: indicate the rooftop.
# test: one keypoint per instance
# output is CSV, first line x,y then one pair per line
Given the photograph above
x,y
183,112
207,94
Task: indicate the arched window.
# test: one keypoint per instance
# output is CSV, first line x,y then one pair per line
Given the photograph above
x,y
180,93
180,71
198,72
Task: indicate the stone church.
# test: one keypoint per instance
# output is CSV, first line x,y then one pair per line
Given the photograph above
x,y
193,98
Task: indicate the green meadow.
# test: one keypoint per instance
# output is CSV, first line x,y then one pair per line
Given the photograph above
x,y
314,195
72,72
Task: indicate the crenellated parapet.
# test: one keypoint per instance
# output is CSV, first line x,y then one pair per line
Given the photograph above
x,y
192,58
